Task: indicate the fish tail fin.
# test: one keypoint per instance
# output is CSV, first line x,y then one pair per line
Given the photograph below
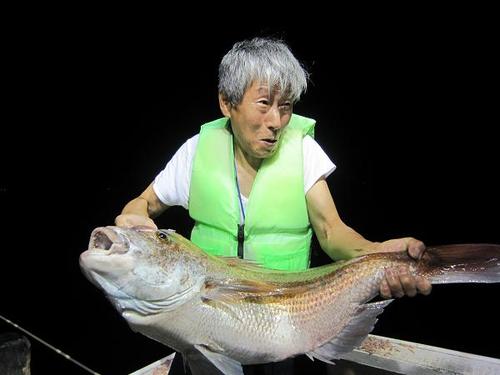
x,y
461,263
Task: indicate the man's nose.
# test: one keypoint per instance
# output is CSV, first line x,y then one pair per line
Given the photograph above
x,y
272,119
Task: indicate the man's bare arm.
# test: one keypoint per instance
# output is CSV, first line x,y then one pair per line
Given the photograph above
x,y
141,210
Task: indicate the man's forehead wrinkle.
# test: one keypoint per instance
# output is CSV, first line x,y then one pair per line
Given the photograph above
x,y
263,89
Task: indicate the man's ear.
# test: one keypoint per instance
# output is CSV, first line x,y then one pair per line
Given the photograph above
x,y
225,106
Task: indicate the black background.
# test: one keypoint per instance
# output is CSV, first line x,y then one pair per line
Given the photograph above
x,y
96,105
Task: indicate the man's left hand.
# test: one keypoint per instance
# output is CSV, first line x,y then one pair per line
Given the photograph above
x,y
399,282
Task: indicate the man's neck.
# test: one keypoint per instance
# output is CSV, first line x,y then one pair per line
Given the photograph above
x,y
246,169
246,162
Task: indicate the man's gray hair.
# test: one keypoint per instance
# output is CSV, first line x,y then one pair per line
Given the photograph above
x,y
267,60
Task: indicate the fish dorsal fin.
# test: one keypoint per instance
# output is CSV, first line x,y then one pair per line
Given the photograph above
x,y
353,333
223,364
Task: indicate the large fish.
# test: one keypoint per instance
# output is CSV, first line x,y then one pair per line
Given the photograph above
x,y
221,313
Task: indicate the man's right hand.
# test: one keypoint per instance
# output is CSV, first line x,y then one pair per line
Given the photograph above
x,y
133,220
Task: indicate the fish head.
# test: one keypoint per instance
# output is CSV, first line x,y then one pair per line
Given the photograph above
x,y
141,270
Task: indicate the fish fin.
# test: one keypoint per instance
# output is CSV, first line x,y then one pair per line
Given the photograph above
x,y
219,363
240,285
233,290
223,306
461,263
313,355
198,364
243,263
353,333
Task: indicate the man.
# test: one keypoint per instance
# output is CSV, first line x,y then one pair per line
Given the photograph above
x,y
254,181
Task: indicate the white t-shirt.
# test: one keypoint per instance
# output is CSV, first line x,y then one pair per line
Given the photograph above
x,y
172,184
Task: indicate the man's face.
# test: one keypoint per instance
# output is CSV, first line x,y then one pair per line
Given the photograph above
x,y
259,119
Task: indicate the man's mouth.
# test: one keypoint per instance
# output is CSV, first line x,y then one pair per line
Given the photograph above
x,y
269,141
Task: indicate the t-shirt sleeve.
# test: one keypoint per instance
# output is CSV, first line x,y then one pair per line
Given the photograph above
x,y
172,184
316,163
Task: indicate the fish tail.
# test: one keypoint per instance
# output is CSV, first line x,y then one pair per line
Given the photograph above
x,y
461,263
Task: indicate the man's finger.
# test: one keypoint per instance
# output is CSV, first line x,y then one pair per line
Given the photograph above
x,y
385,291
416,249
408,282
423,285
394,283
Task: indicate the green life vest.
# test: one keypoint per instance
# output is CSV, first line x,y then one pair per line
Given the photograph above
x,y
277,231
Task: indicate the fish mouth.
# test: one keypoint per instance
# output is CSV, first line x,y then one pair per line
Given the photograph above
x,y
107,240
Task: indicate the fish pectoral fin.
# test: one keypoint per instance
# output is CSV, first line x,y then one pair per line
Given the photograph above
x,y
232,290
352,335
254,291
225,307
207,362
244,263
198,364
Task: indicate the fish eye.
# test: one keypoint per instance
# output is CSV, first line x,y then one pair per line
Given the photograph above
x,y
161,235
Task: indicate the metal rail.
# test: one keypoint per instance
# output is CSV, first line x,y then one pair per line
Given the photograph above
x,y
406,357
